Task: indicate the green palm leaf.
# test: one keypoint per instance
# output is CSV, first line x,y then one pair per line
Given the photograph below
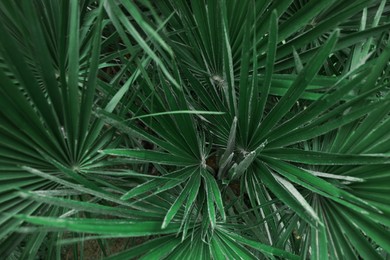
x,y
205,129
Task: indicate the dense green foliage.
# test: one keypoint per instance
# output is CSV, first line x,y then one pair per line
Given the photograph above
x,y
195,129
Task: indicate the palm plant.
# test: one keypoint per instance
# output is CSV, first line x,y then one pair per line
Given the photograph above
x,y
205,129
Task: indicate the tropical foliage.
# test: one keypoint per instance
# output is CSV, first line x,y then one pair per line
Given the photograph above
x,y
207,129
